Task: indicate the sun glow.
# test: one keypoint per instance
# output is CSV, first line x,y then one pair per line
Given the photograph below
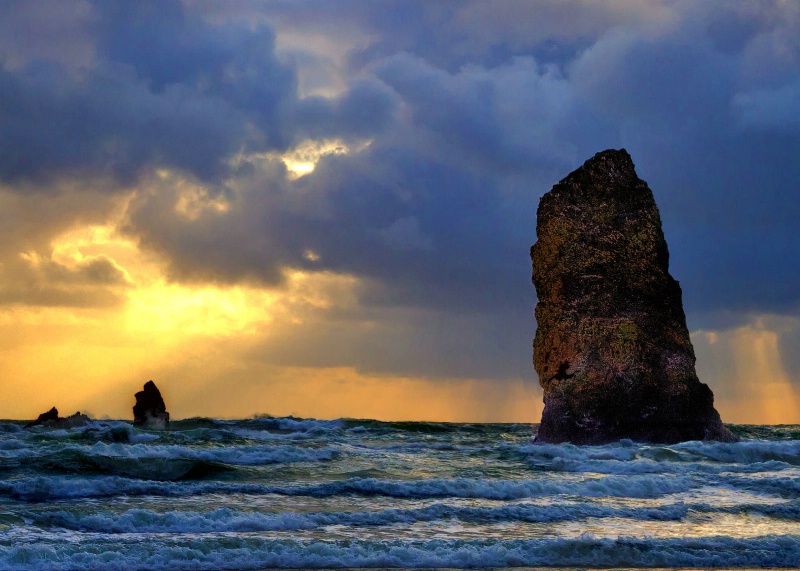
x,y
156,327
761,373
181,310
302,159
745,368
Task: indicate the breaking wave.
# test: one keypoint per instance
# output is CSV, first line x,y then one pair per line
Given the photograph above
x,y
255,553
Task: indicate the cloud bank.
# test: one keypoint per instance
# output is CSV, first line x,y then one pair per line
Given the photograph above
x,y
437,126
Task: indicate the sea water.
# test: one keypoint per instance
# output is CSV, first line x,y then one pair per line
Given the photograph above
x,y
293,493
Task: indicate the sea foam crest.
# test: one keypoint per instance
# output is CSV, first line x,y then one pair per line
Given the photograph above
x,y
227,520
237,455
227,552
626,457
61,487
44,488
634,487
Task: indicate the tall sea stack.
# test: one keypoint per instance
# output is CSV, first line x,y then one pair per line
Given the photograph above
x,y
612,349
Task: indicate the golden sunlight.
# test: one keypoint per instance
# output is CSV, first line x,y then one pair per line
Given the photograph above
x,y
100,354
337,392
761,374
745,369
303,159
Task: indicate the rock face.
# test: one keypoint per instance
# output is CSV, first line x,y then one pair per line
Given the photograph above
x,y
150,410
612,349
51,419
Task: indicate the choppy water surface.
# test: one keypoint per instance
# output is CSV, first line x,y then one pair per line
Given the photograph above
x,y
294,493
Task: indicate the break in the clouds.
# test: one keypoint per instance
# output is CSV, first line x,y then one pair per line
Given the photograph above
x,y
402,145
165,89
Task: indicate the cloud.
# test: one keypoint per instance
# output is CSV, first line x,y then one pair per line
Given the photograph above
x,y
770,109
46,30
54,125
455,118
354,216
461,154
164,89
35,270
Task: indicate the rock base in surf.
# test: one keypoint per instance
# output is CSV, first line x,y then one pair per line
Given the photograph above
x,y
612,349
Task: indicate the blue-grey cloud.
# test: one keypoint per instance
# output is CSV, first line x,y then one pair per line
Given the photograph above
x,y
479,139
166,89
474,110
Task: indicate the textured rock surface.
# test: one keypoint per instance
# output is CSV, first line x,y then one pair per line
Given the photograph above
x,y
150,410
612,350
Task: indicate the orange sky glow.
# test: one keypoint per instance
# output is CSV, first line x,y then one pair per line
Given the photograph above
x,y
202,343
270,209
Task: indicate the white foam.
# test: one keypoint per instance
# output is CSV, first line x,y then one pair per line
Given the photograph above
x,y
227,552
228,520
236,455
626,457
56,487
633,486
47,488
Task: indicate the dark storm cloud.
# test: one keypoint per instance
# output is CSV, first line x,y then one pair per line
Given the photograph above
x,y
474,112
440,210
52,124
165,89
422,233
449,35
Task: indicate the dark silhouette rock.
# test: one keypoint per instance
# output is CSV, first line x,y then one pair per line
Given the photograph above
x,y
612,349
150,410
51,419
73,421
50,416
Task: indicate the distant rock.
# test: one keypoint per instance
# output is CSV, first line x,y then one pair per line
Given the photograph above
x,y
150,410
50,416
73,421
51,419
612,349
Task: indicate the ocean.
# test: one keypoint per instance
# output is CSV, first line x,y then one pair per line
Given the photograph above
x,y
297,493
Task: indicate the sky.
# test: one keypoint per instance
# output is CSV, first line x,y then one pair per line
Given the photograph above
x,y
325,209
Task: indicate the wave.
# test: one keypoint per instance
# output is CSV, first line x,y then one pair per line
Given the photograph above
x,y
644,487
227,520
234,455
242,553
784,487
158,462
43,488
627,457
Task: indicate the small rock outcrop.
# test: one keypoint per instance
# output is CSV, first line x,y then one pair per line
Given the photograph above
x,y
612,349
51,419
150,410
50,416
73,421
